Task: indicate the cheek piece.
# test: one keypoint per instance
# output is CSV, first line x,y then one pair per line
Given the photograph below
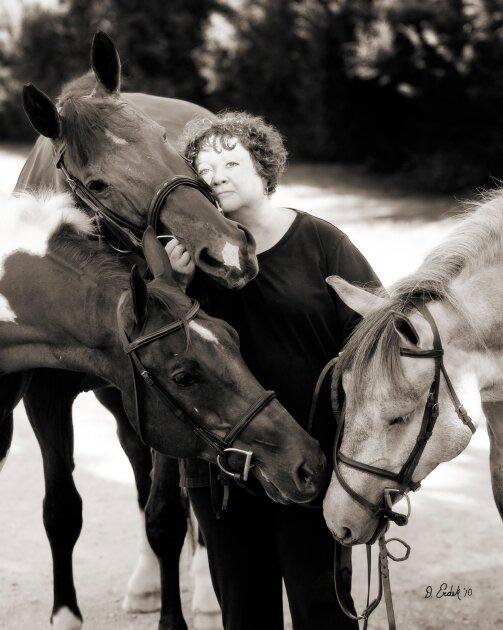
x,y
383,510
222,446
120,234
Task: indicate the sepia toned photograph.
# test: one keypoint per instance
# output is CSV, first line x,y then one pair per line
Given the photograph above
x,y
251,314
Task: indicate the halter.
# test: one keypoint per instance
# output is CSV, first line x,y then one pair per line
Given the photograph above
x,y
129,234
222,446
383,509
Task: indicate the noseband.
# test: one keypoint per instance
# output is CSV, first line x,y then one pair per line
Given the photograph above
x,y
222,446
129,234
383,509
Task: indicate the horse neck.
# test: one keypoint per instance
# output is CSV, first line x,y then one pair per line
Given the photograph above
x,y
65,317
473,338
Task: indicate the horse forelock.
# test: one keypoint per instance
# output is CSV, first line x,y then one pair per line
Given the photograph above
x,y
372,351
91,122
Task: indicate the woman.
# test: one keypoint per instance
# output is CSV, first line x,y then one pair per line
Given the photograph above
x,y
290,324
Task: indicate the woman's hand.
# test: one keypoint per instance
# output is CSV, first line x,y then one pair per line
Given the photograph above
x,y
181,262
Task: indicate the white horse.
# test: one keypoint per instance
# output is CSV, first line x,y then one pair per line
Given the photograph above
x,y
461,284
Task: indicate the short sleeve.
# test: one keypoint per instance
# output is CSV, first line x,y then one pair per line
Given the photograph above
x,y
345,260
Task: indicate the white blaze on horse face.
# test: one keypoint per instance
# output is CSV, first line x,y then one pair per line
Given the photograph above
x,y
204,332
230,255
6,313
115,139
29,221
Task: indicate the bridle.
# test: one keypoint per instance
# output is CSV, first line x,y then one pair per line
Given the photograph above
x,y
222,446
383,509
129,234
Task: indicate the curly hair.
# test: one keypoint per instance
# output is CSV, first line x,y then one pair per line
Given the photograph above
x,y
263,141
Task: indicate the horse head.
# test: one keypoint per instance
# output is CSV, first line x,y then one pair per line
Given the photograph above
x,y
205,392
124,161
394,408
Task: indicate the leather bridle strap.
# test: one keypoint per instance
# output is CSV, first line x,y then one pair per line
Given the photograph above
x,y
167,188
222,446
383,510
129,234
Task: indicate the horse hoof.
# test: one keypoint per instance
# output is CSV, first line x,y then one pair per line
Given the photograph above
x,y
172,624
142,602
65,619
208,621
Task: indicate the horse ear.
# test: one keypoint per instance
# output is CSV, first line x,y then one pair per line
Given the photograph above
x,y
106,63
139,292
405,329
157,257
359,300
41,112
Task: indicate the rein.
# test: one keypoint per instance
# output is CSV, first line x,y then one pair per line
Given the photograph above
x,y
128,234
222,446
383,510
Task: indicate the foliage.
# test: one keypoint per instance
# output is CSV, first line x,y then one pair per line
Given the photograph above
x,y
400,85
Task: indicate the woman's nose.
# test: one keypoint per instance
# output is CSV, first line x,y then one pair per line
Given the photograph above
x,y
219,177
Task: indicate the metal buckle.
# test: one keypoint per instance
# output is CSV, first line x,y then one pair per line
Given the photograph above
x,y
246,468
393,493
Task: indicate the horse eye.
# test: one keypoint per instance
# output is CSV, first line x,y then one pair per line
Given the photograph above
x,y
399,420
165,137
184,379
97,185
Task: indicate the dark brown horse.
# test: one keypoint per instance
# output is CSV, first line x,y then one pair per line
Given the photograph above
x,y
70,306
121,149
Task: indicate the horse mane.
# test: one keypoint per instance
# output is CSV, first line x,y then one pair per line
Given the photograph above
x,y
86,116
476,240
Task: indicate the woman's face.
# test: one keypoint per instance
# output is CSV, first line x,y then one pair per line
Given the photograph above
x,y
232,175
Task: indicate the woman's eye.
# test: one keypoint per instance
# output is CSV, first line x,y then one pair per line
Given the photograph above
x,y
184,379
97,185
231,164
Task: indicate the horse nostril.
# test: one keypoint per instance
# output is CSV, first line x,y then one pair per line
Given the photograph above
x,y
347,535
206,259
304,476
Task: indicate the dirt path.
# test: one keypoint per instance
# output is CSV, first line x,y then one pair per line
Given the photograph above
x,y
455,531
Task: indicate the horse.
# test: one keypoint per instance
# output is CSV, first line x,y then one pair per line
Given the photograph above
x,y
410,385
69,304
118,150
117,154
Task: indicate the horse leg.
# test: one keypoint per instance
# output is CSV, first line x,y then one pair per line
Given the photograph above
x,y
166,528
205,606
12,387
144,586
48,401
494,414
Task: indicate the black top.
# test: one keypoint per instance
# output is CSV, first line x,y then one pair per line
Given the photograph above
x,y
289,320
